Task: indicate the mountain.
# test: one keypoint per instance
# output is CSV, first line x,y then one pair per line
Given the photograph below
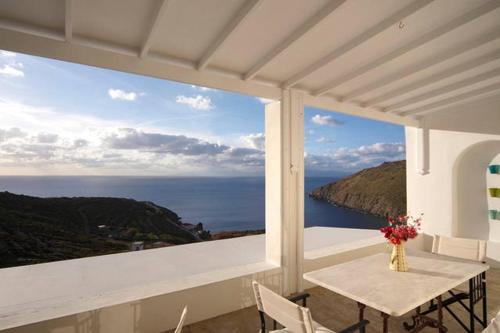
x,y
379,191
36,230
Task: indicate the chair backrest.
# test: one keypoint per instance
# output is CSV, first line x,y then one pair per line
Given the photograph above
x,y
295,318
181,321
494,326
472,249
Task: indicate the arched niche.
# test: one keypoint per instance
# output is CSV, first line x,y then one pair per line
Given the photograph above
x,y
471,181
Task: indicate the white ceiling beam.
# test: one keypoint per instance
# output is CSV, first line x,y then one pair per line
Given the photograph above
x,y
360,39
160,13
425,109
455,70
32,30
121,58
444,90
331,104
322,14
233,25
431,35
68,20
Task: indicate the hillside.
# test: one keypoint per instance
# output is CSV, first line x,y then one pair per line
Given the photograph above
x,y
379,191
35,230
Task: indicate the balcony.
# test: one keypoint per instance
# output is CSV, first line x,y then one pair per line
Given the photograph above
x,y
431,66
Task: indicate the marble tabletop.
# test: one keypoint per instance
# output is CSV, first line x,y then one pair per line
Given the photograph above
x,y
369,280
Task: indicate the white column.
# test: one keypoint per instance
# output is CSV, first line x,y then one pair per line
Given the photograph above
x,y
285,187
422,150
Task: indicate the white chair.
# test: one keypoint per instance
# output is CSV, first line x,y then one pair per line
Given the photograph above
x,y
469,249
494,326
464,248
181,321
295,318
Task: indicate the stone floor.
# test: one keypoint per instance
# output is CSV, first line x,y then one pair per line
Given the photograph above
x,y
337,312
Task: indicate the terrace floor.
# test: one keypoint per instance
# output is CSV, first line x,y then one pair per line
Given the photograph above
x,y
337,312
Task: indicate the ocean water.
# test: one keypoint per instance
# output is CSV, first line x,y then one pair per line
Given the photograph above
x,y
218,203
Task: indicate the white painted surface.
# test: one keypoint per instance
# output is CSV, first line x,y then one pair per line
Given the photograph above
x,y
119,283
255,47
453,196
285,187
429,276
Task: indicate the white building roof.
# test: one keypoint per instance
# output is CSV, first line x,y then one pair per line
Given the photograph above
x,y
393,60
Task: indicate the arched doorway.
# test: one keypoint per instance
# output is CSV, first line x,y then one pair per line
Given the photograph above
x,y
471,181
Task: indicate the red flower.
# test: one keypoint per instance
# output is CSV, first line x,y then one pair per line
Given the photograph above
x,y
401,228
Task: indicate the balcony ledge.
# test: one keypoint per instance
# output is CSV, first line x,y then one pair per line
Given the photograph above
x,y
47,291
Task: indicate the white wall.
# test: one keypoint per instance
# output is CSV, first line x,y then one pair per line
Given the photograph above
x,y
453,194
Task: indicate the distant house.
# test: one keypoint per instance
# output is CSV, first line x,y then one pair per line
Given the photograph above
x,y
137,246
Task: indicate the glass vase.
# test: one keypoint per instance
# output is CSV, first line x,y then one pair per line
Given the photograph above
x,y
398,258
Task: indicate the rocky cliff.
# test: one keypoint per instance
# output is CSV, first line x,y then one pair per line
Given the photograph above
x,y
379,191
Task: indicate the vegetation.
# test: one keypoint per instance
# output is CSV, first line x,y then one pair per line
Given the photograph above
x,y
37,230
379,191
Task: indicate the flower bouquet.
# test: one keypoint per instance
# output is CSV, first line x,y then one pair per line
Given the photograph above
x,y
400,230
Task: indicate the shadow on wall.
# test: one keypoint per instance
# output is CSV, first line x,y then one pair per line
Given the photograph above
x,y
162,313
470,186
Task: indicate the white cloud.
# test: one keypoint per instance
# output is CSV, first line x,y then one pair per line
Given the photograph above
x,y
11,71
199,102
326,121
265,100
255,141
7,53
47,138
122,95
323,140
204,89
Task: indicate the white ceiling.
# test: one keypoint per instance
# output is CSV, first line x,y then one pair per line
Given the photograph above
x,y
394,60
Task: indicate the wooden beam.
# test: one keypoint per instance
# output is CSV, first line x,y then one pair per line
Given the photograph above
x,y
444,90
360,39
68,20
233,25
322,14
331,104
146,45
455,70
431,35
32,30
429,108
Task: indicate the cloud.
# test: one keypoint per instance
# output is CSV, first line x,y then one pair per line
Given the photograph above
x,y
129,138
47,138
353,159
80,143
255,141
11,133
11,71
122,95
265,100
324,140
199,102
7,54
326,121
204,89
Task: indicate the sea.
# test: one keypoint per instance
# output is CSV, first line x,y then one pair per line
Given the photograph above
x,y
221,204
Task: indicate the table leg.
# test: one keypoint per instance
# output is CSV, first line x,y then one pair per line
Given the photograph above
x,y
471,305
361,308
441,327
385,317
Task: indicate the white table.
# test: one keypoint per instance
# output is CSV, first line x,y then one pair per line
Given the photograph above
x,y
370,282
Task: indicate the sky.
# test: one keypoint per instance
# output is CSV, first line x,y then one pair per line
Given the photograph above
x,y
60,118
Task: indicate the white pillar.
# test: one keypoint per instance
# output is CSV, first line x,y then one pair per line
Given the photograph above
x,y
285,187
422,150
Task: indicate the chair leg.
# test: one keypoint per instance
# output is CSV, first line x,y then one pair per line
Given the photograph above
x,y
485,305
471,307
